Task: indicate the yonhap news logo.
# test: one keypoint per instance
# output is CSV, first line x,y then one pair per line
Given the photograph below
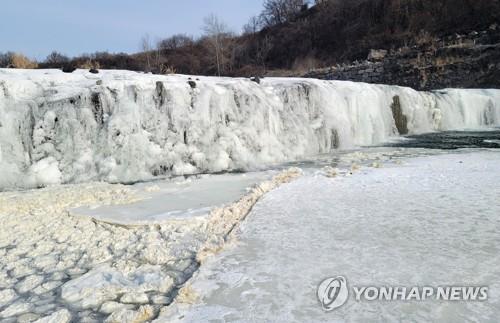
x,y
334,292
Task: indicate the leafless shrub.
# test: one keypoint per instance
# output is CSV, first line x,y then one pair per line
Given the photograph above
x,y
175,42
279,11
18,60
56,58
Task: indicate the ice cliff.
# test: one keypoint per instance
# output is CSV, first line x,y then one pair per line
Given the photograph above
x,y
121,126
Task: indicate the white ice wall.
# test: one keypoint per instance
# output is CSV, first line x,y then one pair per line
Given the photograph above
x,y
125,126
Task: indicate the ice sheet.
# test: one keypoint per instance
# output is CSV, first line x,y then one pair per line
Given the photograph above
x,y
432,221
178,199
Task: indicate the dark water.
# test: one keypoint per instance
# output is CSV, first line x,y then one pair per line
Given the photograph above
x,y
451,140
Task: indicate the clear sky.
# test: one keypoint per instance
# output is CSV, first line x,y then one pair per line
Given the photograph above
x,y
36,27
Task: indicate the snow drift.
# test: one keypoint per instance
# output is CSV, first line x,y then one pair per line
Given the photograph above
x,y
121,126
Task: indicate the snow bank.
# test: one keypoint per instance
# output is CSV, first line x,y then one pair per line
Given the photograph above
x,y
121,126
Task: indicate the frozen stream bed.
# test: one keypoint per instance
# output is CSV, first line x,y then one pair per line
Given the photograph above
x,y
178,199
59,267
99,252
75,246
431,221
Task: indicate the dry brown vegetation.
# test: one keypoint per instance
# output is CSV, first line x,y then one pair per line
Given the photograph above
x,y
16,60
290,36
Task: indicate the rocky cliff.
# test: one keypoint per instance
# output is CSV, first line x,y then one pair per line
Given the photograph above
x,y
460,61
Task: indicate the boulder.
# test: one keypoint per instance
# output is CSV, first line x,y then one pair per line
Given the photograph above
x,y
377,54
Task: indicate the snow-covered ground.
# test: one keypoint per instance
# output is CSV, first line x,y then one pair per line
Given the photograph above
x,y
120,126
432,221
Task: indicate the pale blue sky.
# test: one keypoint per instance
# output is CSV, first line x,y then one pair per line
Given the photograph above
x,y
36,27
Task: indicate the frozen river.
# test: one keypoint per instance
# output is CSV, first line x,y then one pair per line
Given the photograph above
x,y
117,187
396,216
433,221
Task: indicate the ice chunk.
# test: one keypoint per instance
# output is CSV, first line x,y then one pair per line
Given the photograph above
x,y
7,296
96,287
143,314
104,284
15,309
134,298
45,172
61,316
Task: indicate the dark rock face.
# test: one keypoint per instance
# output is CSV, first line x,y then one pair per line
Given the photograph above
x,y
97,108
68,68
335,140
160,93
192,84
460,61
94,71
255,79
399,118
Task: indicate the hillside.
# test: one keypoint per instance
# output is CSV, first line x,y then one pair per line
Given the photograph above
x,y
341,31
328,33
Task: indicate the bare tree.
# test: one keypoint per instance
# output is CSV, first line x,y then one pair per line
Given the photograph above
x,y
5,59
175,42
265,46
279,11
158,56
55,58
146,47
252,26
216,31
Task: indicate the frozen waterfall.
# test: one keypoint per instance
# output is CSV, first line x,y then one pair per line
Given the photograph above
x,y
121,126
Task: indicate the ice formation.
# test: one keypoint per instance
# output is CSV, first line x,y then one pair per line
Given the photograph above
x,y
120,126
176,200
51,262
